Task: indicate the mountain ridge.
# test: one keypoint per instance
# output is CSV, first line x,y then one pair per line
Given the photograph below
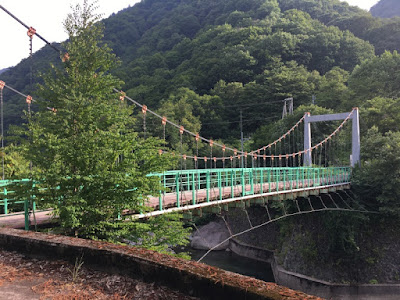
x,y
266,49
386,9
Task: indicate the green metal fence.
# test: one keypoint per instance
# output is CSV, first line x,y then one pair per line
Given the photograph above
x,y
231,183
202,185
17,201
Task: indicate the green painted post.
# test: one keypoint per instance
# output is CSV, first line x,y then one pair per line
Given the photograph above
x,y
261,182
330,175
160,204
198,180
208,185
220,184
178,204
252,181
269,180
26,212
284,179
277,177
243,182
232,192
193,189
5,201
333,175
33,199
313,176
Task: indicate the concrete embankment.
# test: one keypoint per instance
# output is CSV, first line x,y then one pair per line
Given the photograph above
x,y
216,232
187,276
314,286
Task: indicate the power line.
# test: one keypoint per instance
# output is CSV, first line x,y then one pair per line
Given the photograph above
x,y
244,121
255,104
180,127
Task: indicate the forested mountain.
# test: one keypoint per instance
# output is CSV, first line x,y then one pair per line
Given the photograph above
x,y
3,70
205,60
386,9
203,63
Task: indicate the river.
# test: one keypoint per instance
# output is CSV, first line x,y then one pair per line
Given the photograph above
x,y
230,261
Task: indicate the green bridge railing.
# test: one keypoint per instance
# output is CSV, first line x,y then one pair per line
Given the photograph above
x,y
201,185
17,202
231,183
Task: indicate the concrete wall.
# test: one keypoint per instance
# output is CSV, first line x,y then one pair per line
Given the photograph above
x,y
187,276
314,286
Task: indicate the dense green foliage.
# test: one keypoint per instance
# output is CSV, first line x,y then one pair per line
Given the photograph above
x,y
386,9
91,164
378,181
200,63
272,49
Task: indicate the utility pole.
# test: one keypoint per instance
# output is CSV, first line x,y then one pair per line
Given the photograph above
x,y
287,102
241,136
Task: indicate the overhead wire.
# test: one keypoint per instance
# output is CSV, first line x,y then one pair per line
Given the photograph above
x,y
135,102
196,135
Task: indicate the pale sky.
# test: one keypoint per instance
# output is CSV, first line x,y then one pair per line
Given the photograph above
x,y
46,16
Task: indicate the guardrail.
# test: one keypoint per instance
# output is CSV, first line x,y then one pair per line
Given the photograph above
x,y
204,185
245,181
16,199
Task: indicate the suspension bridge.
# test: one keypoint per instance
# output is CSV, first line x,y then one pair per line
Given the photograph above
x,y
294,166
221,184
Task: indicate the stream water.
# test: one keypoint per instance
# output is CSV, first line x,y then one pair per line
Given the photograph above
x,y
230,261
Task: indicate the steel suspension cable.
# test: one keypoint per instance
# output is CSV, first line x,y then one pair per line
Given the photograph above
x,y
189,132
28,27
176,125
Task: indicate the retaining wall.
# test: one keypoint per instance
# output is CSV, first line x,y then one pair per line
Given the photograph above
x,y
189,277
314,286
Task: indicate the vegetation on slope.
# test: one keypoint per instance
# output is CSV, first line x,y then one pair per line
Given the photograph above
x,y
200,62
386,9
91,163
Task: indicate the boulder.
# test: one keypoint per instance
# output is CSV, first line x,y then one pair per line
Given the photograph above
x,y
211,235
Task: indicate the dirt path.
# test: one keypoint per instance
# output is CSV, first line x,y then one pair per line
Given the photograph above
x,y
25,278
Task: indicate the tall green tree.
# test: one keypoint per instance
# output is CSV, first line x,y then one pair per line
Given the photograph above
x,y
377,182
377,77
91,163
383,113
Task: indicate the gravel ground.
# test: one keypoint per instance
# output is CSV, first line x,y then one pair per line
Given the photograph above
x,y
27,278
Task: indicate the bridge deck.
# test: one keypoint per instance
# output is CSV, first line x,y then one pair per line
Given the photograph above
x,y
266,190
169,200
